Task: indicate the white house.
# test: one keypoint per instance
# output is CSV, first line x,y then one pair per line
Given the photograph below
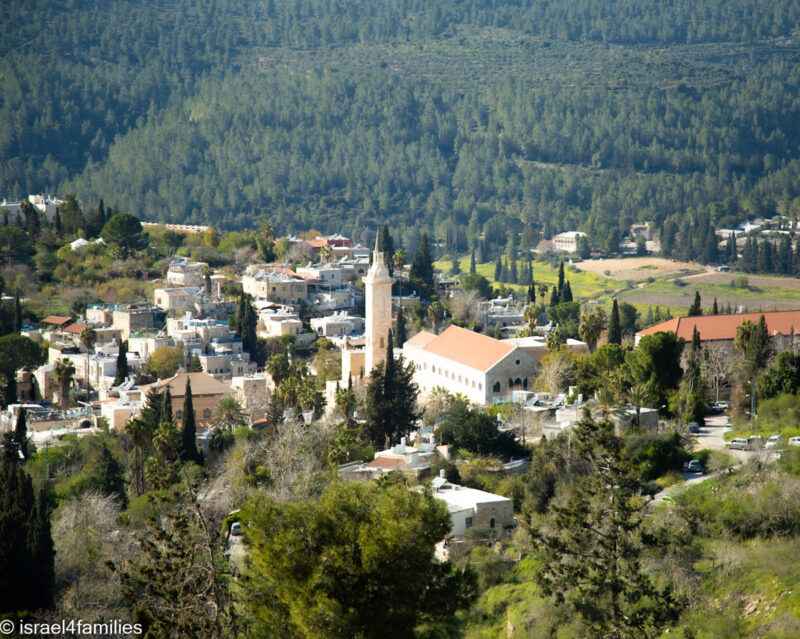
x,y
470,507
567,242
483,369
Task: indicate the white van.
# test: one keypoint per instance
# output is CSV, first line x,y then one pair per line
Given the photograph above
x,y
738,443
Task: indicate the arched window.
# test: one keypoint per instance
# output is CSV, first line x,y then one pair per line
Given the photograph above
x,y
206,413
496,387
491,523
518,382
179,414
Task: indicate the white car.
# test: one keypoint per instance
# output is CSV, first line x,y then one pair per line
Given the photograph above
x,y
794,441
773,441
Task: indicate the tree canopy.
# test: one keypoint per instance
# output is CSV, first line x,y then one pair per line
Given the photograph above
x,y
356,563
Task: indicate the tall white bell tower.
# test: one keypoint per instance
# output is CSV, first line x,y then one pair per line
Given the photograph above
x,y
378,285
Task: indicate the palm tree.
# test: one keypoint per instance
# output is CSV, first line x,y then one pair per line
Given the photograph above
x,y
228,414
207,272
542,289
436,314
65,373
325,252
88,339
591,327
638,396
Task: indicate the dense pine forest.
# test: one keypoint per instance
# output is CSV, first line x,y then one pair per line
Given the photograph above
x,y
458,118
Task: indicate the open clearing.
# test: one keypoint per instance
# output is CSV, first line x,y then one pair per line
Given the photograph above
x,y
641,268
759,281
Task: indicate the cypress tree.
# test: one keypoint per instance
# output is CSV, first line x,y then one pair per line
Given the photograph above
x,y
498,269
21,433
715,309
560,279
165,414
189,431
421,270
472,267
614,332
122,363
26,548
554,298
400,335
733,253
391,400
695,309
566,293
386,245
17,313
57,222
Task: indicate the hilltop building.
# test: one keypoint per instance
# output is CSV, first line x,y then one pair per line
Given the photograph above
x,y
722,328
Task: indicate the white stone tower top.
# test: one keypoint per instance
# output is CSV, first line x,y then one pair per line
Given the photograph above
x,y
378,285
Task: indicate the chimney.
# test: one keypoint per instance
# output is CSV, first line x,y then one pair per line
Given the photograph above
x,y
403,442
441,473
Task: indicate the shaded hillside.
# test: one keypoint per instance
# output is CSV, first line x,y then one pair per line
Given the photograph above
x,y
467,117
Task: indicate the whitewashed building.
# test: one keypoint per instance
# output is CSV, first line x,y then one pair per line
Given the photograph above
x,y
483,369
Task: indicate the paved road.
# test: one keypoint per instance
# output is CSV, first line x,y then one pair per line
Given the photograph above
x,y
710,436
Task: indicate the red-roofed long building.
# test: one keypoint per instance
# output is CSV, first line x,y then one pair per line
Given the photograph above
x,y
480,367
722,328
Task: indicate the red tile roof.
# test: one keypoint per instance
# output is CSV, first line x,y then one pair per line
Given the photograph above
x,y
76,328
57,320
464,346
388,463
723,327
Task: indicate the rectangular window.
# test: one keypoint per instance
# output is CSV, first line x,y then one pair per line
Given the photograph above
x,y
468,522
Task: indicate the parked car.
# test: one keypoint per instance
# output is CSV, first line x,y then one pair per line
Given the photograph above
x,y
727,429
773,441
695,466
693,427
754,442
236,529
794,441
738,443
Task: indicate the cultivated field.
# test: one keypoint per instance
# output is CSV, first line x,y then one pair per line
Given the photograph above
x,y
641,268
758,281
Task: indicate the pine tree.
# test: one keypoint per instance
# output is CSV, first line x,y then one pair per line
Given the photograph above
x,y
695,309
122,363
189,450
591,550
614,331
400,334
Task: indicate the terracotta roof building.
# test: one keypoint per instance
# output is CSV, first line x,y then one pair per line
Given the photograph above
x,y
723,327
206,393
480,367
57,320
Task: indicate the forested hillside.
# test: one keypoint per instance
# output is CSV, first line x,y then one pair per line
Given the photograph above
x,y
462,117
